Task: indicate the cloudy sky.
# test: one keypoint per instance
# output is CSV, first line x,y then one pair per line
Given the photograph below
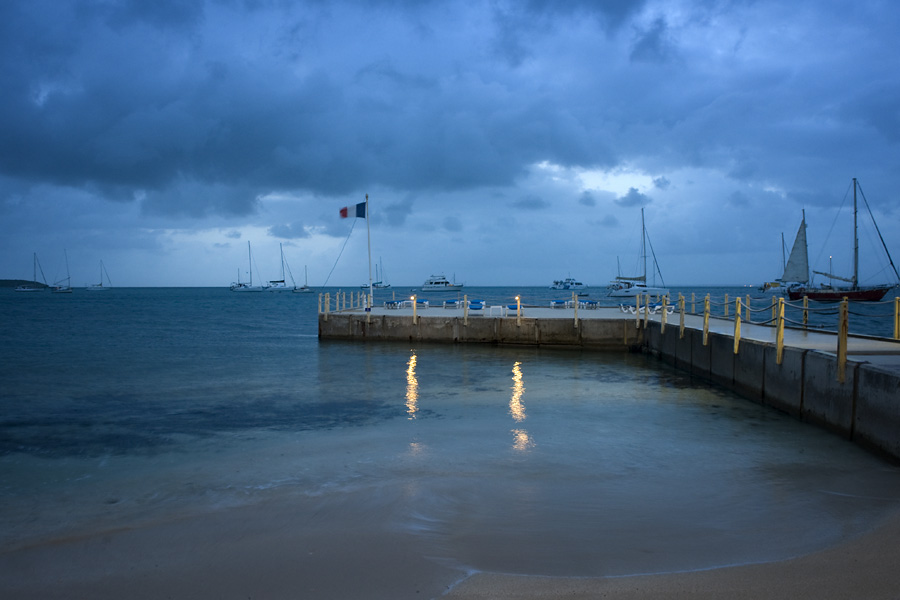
x,y
500,142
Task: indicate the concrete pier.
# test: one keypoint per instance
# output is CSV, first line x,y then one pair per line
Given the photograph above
x,y
864,407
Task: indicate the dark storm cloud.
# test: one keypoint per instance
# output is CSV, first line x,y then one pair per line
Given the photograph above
x,y
633,198
531,203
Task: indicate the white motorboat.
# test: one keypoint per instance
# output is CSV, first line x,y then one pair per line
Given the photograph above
x,y
567,284
439,283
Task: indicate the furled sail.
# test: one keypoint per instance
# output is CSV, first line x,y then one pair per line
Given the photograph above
x,y
797,267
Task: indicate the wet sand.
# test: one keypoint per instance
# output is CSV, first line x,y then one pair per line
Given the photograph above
x,y
298,550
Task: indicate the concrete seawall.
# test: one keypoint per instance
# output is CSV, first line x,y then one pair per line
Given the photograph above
x,y
864,408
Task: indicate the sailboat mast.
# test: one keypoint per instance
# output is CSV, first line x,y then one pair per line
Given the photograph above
x,y
644,245
250,260
855,242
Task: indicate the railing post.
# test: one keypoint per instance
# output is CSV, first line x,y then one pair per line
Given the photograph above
x,y
897,318
805,311
320,303
637,311
693,304
646,311
726,306
327,304
575,304
465,309
737,323
775,305
747,304
843,326
706,320
779,332
518,311
414,302
662,319
681,310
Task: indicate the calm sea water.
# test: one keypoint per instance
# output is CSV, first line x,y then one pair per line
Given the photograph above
x,y
135,405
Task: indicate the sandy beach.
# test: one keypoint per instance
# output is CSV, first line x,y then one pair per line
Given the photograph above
x,y
277,552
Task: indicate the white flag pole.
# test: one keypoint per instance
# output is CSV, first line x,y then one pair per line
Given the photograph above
x,y
369,236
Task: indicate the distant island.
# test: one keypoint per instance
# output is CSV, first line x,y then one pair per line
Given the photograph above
x,y
11,283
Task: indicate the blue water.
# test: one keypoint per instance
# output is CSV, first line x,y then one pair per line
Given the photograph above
x,y
132,406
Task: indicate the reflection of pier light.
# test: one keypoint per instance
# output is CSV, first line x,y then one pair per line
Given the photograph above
x,y
412,388
516,408
521,441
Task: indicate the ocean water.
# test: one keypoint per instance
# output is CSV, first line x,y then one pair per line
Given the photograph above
x,y
136,406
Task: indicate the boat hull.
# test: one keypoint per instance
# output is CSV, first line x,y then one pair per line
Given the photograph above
x,y
872,294
633,291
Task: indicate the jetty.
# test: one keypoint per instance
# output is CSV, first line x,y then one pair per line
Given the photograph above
x,y
848,384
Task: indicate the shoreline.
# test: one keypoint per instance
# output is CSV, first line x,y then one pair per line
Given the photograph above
x,y
294,550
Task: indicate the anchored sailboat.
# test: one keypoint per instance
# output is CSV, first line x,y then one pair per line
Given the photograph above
x,y
827,293
279,285
629,287
99,287
59,287
238,286
34,286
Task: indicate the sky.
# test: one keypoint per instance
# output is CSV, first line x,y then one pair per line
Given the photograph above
x,y
499,142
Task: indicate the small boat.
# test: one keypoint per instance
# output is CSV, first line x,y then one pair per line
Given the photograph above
x,y
567,284
304,289
34,286
438,283
60,288
629,287
379,282
99,287
239,286
830,293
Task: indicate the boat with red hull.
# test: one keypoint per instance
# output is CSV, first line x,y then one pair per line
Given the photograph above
x,y
828,293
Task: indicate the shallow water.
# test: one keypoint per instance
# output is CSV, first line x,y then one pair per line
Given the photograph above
x,y
144,405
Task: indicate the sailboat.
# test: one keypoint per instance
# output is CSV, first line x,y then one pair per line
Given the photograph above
x,y
34,286
304,289
379,282
796,269
58,287
279,285
629,287
828,293
239,286
99,287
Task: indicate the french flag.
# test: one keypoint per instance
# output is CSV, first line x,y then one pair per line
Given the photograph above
x,y
360,211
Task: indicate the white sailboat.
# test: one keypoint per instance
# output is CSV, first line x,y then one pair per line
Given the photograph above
x,y
60,288
34,286
99,287
629,287
279,285
239,286
796,269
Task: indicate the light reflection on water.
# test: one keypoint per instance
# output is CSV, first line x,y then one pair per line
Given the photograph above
x,y
412,387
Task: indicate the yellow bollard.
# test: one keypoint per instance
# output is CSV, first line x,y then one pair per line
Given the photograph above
x,y
726,306
843,327
415,317
706,320
779,332
774,307
897,318
693,307
320,303
737,324
518,312
681,311
805,311
327,304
